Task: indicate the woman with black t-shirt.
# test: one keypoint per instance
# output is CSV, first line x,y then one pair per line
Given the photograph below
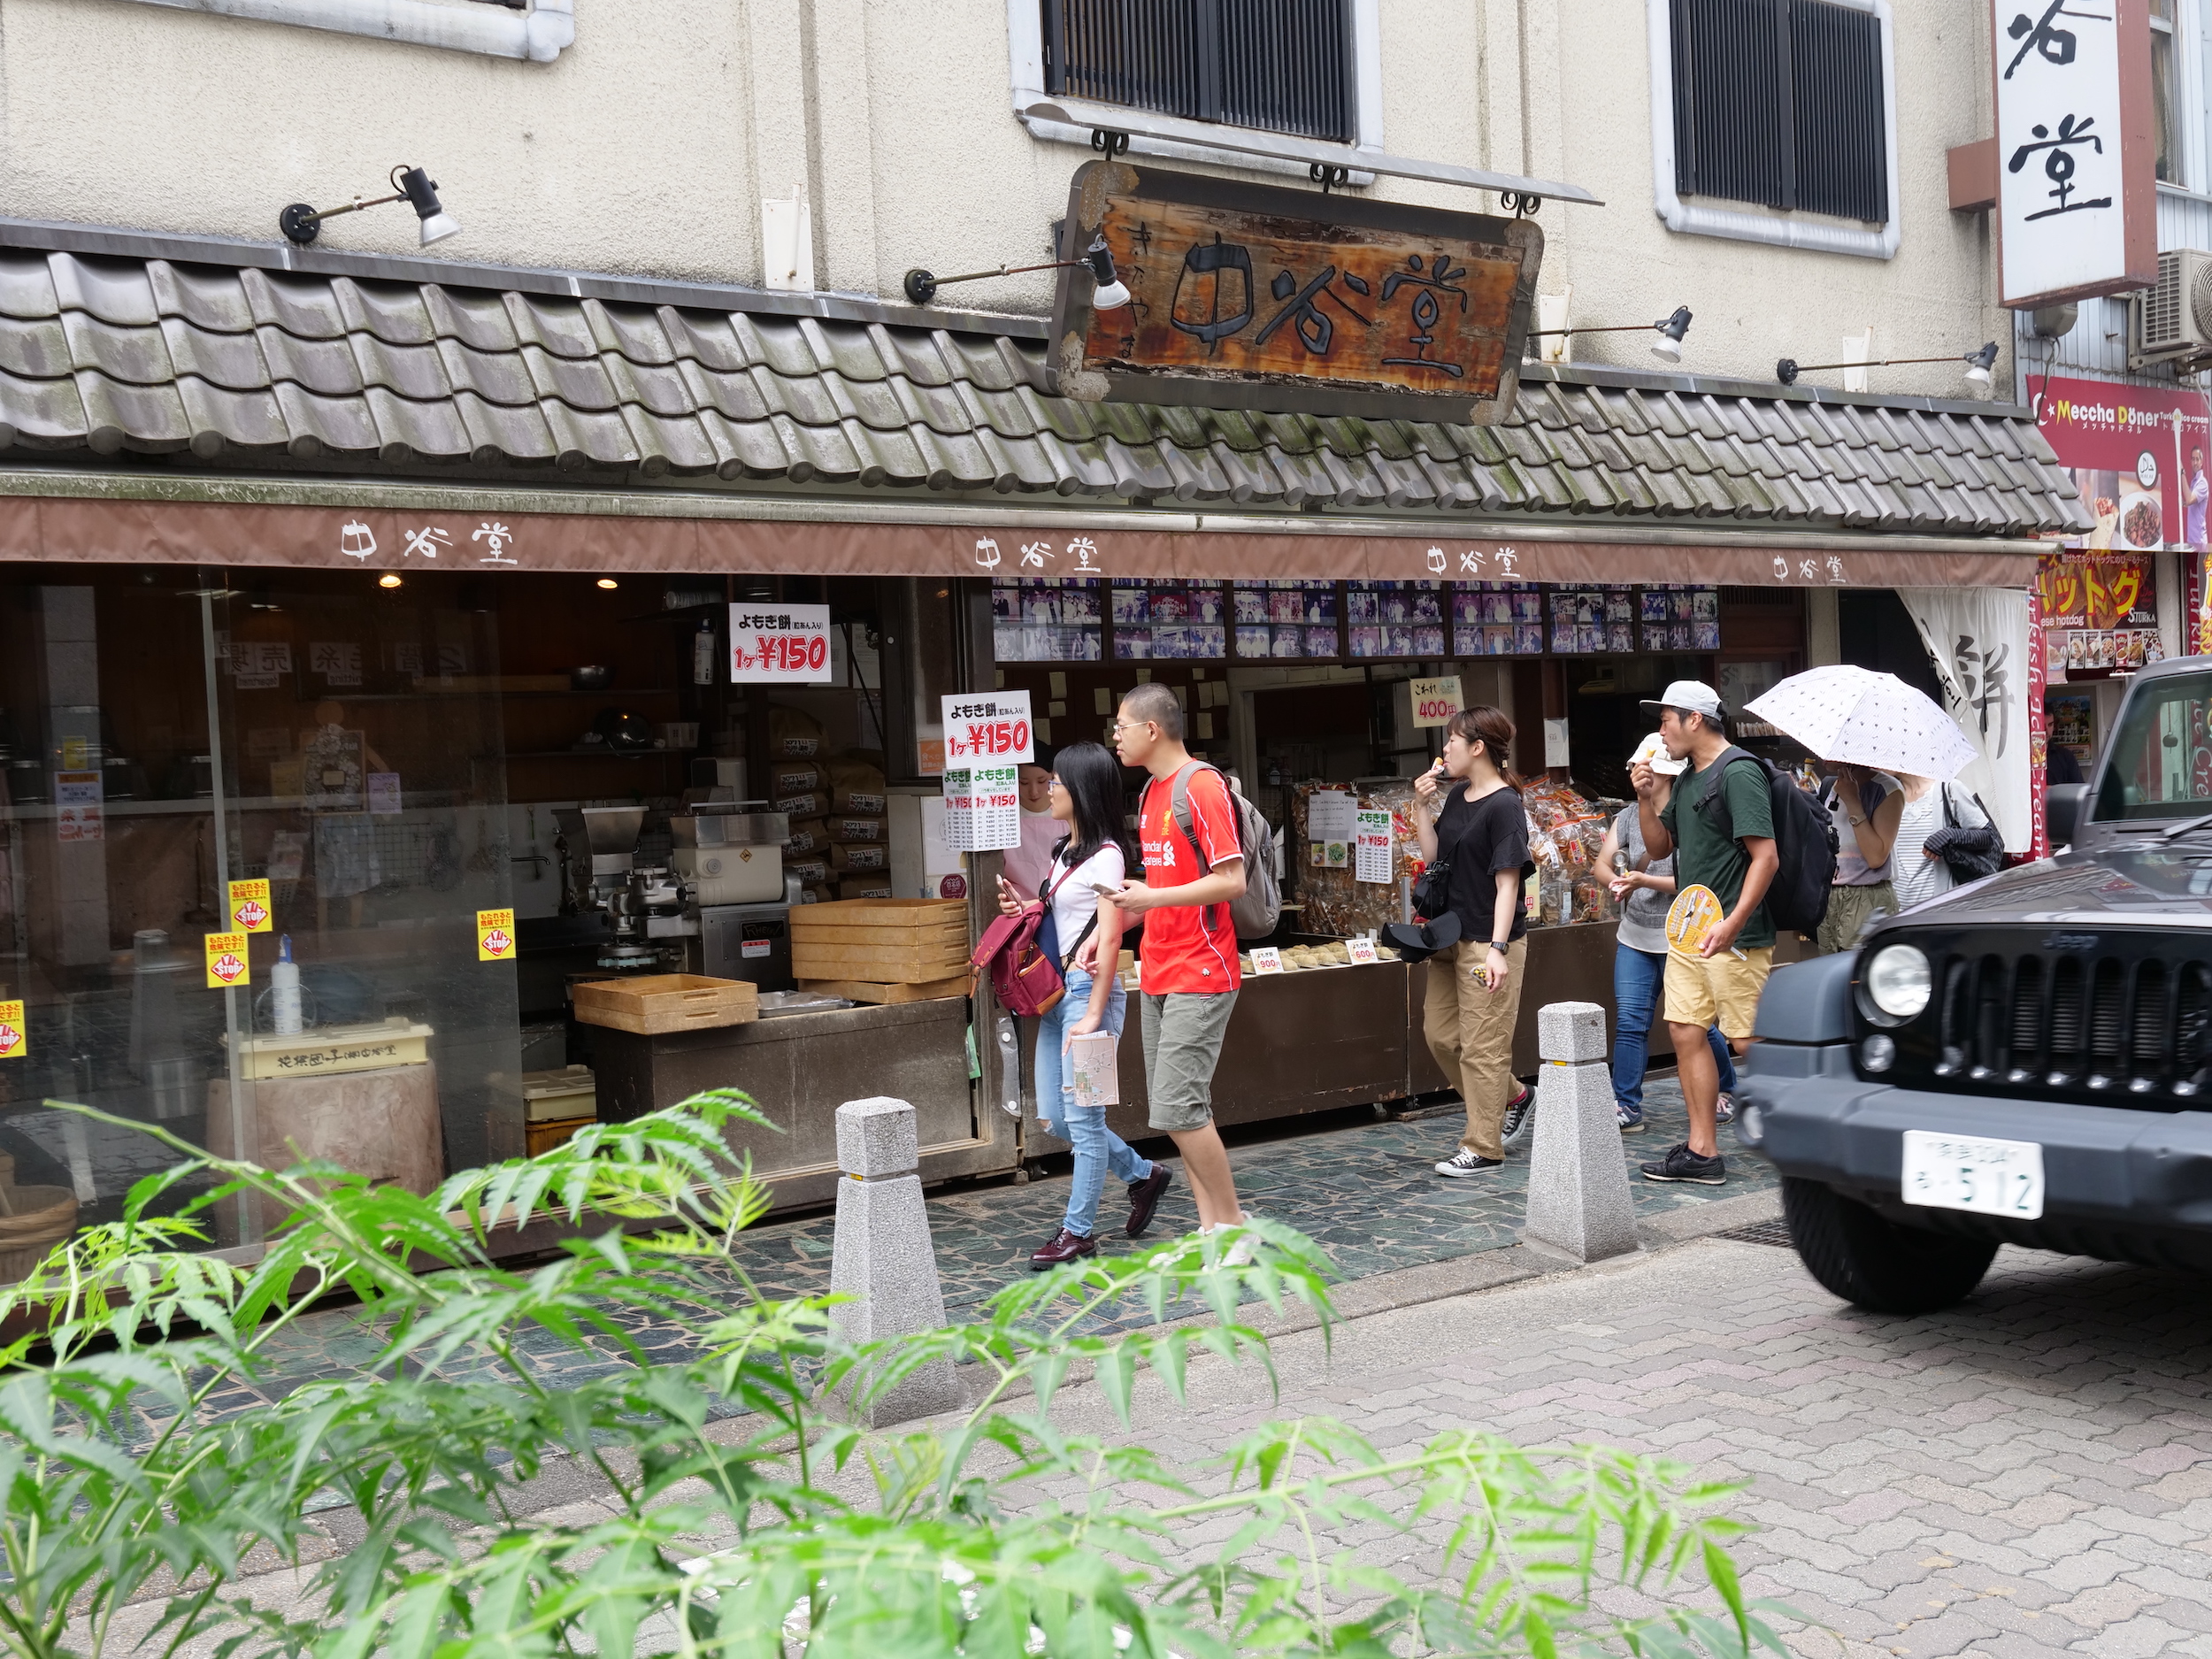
x,y
1474,995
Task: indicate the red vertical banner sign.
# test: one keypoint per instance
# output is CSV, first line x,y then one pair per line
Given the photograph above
x,y
2039,736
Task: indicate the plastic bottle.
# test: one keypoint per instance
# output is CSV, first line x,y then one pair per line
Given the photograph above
x,y
284,991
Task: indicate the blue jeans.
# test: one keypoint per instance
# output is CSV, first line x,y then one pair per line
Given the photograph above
x,y
1639,977
1097,1148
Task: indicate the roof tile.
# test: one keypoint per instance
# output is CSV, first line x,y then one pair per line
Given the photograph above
x,y
35,348
137,355
26,287
229,360
114,291
201,295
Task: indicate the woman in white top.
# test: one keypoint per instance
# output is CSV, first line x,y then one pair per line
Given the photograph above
x,y
1087,798
1925,828
1864,807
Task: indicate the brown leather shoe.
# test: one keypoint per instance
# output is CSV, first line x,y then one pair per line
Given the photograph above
x,y
1065,1247
1144,1198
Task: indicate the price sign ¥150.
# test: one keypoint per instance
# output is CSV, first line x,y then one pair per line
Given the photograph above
x,y
779,644
988,729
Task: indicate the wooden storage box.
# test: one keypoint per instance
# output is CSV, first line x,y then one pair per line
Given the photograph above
x,y
330,1050
559,1095
882,942
544,1137
655,1002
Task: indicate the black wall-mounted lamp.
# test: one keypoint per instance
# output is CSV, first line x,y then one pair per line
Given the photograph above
x,y
1667,348
302,224
1979,362
922,285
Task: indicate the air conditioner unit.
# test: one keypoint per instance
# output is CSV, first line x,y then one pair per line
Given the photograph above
x,y
2174,317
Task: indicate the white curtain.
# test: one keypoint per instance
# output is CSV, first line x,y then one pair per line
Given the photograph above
x,y
1977,638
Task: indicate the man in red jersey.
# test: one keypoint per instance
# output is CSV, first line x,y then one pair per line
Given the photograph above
x,y
1190,978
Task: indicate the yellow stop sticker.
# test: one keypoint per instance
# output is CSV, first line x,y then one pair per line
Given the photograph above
x,y
15,1031
250,911
227,960
494,935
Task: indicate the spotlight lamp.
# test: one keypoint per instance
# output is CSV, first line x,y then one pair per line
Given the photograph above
x,y
1979,362
1111,296
1668,332
301,224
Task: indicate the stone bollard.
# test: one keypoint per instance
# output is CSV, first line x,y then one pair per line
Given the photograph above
x,y
1578,1182
882,1257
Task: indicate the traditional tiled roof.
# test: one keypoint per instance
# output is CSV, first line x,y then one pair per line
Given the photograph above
x,y
155,356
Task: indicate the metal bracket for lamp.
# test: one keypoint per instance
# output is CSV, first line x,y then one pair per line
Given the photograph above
x,y
1670,329
301,224
1979,362
921,286
1524,204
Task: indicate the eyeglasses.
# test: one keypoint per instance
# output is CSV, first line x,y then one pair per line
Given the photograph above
x,y
1054,783
1120,727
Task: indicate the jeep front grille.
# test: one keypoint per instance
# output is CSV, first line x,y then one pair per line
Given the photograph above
x,y
2135,1027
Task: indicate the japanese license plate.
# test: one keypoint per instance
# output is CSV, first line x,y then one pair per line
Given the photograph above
x,y
1990,1178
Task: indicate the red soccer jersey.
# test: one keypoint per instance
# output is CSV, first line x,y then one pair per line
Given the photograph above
x,y
1181,953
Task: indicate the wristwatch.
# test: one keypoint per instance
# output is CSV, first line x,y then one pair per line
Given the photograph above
x,y
1499,946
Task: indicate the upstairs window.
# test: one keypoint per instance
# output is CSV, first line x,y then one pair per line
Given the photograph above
x,y
1277,65
1780,103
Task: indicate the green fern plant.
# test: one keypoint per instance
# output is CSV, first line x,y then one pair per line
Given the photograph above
x,y
131,1476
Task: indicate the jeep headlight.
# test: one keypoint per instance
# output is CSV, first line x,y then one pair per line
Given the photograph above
x,y
1898,982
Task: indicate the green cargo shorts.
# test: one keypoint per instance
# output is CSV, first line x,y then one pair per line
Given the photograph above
x,y
1182,1043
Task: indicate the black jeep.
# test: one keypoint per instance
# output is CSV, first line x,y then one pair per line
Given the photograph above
x,y
2024,1060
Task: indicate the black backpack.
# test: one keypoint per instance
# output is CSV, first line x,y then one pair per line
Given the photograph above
x,y
1804,843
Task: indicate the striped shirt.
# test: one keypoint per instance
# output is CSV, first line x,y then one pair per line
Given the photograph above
x,y
1916,877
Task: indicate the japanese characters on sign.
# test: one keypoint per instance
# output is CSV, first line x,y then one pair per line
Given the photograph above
x,y
1239,288
987,737
80,807
15,1031
1435,700
987,727
249,912
774,643
2076,209
494,935
226,960
452,543
1372,863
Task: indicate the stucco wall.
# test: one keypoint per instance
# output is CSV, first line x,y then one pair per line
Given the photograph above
x,y
647,146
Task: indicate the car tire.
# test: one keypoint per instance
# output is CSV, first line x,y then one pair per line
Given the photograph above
x,y
1877,1265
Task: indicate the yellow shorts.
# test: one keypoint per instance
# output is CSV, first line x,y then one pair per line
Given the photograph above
x,y
1721,989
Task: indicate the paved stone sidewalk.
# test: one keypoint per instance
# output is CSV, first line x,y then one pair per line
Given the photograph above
x,y
2028,1474
1366,1192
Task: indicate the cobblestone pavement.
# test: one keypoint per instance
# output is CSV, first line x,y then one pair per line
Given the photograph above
x,y
1366,1192
2029,1473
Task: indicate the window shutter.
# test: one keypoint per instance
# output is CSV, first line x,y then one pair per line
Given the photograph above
x,y
1842,165
1779,102
1278,66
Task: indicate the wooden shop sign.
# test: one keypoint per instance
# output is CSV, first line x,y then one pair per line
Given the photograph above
x,y
1247,296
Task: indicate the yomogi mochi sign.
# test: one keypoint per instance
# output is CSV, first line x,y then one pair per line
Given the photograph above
x,y
1247,296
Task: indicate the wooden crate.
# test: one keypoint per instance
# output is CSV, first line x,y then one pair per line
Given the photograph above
x,y
884,941
655,1002
538,1138
882,993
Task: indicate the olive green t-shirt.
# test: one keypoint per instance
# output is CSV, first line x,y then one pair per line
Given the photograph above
x,y
1705,857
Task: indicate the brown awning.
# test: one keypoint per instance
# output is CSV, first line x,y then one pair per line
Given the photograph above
x,y
75,530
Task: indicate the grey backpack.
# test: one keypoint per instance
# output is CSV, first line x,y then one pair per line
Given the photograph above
x,y
1256,910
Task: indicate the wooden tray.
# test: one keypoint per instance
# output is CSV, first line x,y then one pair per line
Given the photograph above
x,y
653,1003
874,991
878,913
810,961
538,1138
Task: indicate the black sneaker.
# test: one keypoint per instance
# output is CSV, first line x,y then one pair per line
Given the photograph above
x,y
1517,1112
1682,1165
1465,1161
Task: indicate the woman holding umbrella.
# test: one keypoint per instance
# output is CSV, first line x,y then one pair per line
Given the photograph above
x,y
1865,721
1864,805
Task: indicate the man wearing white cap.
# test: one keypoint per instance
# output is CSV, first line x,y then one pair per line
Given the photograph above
x,y
1719,825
